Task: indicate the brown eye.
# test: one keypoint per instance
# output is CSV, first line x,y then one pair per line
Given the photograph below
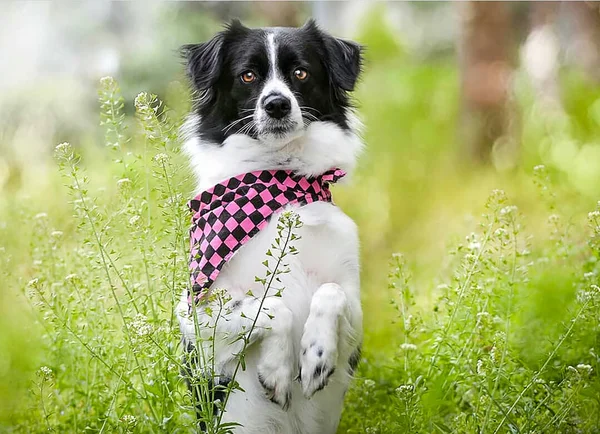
x,y
300,74
248,77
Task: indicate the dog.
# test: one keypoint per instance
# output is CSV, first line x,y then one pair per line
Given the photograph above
x,y
277,99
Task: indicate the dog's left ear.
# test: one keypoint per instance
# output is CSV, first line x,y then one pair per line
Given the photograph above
x,y
343,57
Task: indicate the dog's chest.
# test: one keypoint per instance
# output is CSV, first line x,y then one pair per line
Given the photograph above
x,y
327,245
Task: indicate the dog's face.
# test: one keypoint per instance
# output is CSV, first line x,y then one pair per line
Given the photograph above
x,y
270,84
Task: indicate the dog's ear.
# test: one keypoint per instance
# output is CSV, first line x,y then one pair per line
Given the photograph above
x,y
343,58
204,61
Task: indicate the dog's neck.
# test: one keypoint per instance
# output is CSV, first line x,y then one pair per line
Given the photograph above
x,y
320,147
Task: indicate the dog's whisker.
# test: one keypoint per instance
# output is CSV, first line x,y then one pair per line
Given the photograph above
x,y
232,124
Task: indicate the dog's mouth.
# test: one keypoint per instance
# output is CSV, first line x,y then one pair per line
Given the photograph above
x,y
278,128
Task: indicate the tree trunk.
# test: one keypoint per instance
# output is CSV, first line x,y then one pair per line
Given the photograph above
x,y
486,63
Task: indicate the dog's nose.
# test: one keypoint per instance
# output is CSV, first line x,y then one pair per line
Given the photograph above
x,y
277,106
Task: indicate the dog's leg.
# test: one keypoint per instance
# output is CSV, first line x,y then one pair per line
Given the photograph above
x,y
272,331
327,321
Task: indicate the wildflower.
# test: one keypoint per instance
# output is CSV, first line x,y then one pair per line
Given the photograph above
x,y
405,389
594,215
33,282
129,421
584,369
408,347
442,287
480,370
493,354
56,234
539,168
123,183
134,220
161,158
408,322
63,147
107,81
141,101
511,209
140,326
45,373
41,216
369,384
70,277
595,288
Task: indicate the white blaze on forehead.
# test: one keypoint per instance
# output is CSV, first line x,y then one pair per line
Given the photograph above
x,y
274,83
272,50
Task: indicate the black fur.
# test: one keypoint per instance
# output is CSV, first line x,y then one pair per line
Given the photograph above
x,y
215,67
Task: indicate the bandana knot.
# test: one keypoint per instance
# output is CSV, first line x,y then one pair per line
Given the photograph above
x,y
229,214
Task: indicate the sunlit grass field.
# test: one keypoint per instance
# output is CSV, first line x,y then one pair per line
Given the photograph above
x,y
480,284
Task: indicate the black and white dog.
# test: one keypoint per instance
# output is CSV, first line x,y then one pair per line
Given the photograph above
x,y
277,99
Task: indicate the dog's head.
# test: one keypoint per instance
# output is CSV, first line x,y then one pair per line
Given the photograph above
x,y
271,84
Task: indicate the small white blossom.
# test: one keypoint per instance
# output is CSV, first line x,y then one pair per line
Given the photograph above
x,y
408,347
369,384
41,216
140,326
33,282
45,372
71,277
539,168
56,234
63,147
584,369
134,220
161,158
123,182
404,389
129,421
480,370
594,215
511,209
106,81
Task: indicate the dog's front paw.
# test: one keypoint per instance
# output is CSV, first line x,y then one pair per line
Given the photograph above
x,y
318,358
276,379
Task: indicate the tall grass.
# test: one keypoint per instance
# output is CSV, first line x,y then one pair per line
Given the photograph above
x,y
496,334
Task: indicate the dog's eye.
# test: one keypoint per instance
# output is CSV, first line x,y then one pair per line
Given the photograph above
x,y
248,77
301,74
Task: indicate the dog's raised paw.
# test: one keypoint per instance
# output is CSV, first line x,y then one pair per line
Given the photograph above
x,y
317,365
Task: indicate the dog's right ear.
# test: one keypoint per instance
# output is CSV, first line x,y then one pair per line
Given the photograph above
x,y
204,61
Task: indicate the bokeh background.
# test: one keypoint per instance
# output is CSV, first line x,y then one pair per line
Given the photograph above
x,y
457,99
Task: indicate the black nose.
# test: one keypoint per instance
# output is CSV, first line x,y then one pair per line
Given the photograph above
x,y
277,106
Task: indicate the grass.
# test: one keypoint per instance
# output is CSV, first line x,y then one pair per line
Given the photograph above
x,y
487,322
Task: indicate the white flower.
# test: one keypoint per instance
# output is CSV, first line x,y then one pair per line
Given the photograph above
x,y
56,234
408,347
584,369
71,277
594,215
482,314
33,282
45,372
539,168
480,370
41,216
161,158
123,182
140,326
134,220
405,389
508,210
369,384
129,421
107,81
63,147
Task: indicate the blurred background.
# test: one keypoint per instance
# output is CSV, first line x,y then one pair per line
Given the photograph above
x,y
457,99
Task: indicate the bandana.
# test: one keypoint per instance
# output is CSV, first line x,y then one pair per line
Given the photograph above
x,y
229,214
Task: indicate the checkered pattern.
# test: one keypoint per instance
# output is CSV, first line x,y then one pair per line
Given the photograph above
x,y
229,214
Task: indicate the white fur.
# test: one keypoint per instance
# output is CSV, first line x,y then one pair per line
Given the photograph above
x,y
318,319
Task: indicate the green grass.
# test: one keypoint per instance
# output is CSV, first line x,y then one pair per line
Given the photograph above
x,y
487,322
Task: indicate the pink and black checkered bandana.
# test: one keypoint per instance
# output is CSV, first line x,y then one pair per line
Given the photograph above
x,y
229,214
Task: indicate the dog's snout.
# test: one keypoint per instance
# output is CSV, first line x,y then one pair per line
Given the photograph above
x,y
277,106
